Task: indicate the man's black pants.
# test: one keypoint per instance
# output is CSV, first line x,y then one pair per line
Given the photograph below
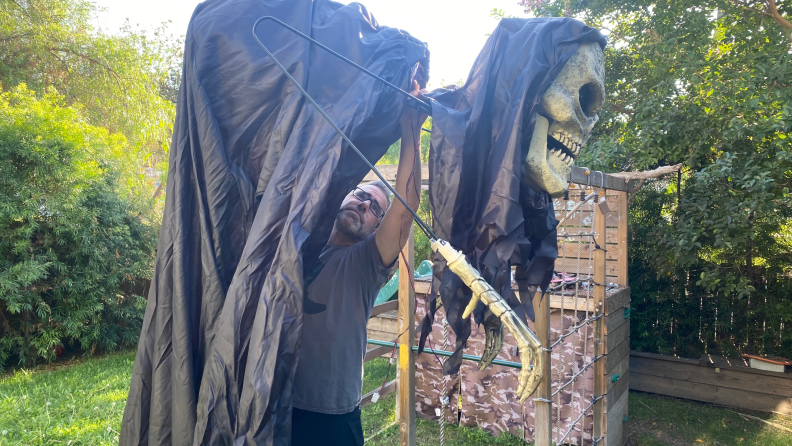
x,y
313,428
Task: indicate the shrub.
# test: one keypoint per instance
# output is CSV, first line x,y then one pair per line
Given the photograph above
x,y
74,251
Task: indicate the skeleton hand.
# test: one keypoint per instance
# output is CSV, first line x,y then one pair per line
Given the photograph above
x,y
527,342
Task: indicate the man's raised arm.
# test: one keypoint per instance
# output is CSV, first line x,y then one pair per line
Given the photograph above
x,y
394,230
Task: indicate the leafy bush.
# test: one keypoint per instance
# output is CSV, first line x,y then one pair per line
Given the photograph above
x,y
74,251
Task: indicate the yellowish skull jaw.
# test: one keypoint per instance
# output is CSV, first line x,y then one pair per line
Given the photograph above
x,y
543,168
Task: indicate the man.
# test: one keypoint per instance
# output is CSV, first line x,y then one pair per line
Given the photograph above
x,y
364,244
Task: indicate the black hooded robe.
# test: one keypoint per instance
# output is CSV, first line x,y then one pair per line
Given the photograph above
x,y
256,177
479,197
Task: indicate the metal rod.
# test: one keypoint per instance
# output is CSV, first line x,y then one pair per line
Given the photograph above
x,y
421,224
426,108
512,364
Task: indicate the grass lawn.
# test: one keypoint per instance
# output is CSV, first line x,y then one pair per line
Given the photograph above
x,y
81,402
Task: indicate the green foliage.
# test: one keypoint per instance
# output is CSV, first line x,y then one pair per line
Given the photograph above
x,y
74,251
125,82
705,84
79,403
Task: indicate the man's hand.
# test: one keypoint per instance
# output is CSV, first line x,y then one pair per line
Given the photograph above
x,y
395,228
411,116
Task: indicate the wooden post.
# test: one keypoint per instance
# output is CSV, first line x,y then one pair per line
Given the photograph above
x,y
405,408
599,324
622,253
543,411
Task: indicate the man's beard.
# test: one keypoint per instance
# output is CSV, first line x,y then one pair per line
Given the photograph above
x,y
352,228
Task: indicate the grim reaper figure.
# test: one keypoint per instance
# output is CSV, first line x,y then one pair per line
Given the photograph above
x,y
503,144
256,177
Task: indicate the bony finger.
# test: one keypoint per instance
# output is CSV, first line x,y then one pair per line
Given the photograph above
x,y
471,306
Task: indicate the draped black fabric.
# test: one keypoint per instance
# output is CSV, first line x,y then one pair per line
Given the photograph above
x,y
256,178
479,198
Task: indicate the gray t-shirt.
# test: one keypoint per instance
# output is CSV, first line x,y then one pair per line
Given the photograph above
x,y
336,309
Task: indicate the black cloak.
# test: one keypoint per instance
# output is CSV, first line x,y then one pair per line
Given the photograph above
x,y
479,197
256,178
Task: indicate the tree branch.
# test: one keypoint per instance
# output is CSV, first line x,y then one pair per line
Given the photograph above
x,y
646,174
785,24
643,176
620,109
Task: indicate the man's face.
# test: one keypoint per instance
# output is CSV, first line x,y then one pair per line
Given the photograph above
x,y
355,219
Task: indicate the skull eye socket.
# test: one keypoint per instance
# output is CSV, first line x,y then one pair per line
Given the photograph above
x,y
589,99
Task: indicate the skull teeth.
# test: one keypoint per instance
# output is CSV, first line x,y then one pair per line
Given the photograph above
x,y
573,146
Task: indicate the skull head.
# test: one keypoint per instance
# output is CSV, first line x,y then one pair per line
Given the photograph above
x,y
567,113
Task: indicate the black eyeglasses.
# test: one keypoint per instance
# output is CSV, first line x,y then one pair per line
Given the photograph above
x,y
374,207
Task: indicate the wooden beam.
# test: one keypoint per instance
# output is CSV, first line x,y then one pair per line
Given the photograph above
x,y
543,411
708,393
600,421
376,352
622,250
613,183
382,308
387,390
738,378
406,372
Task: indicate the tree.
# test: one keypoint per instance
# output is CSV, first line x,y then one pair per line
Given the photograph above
x,y
124,82
74,252
706,84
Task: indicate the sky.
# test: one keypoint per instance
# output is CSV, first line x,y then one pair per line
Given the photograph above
x,y
454,30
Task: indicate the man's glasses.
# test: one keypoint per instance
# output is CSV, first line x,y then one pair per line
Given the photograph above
x,y
374,207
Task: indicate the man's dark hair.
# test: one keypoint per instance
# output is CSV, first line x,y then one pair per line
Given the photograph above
x,y
384,189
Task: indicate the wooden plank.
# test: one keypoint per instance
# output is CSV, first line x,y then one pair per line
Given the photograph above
x,y
621,369
376,352
711,394
617,355
585,266
584,216
621,387
381,308
600,339
623,259
422,286
616,434
721,377
387,336
387,390
570,248
617,403
611,236
385,325
704,361
616,301
579,177
543,411
570,303
406,370
618,336
614,320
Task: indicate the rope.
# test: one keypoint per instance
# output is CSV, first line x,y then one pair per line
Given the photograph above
x,y
444,397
